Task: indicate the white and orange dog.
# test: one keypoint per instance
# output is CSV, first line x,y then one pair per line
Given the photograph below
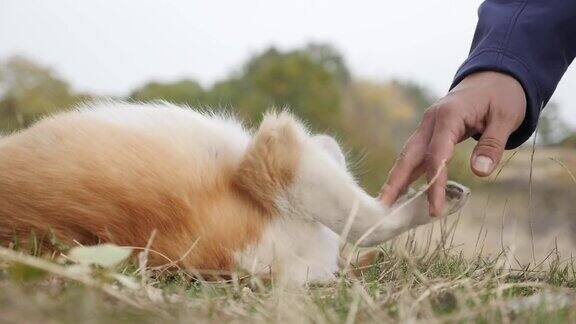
x,y
270,202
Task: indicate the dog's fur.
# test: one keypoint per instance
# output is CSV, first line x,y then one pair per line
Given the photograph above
x,y
273,201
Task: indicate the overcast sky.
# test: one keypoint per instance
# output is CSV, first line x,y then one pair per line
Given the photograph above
x,y
112,46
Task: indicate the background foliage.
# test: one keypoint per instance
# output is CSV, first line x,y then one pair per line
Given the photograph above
x,y
499,262
371,119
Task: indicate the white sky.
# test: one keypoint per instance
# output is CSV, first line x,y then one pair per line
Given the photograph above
x,y
112,46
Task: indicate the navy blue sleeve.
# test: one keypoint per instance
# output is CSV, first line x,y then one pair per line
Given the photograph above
x,y
534,41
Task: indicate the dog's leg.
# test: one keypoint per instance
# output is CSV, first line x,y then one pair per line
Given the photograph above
x,y
286,170
327,194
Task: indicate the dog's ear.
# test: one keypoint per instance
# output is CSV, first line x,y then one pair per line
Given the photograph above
x,y
271,160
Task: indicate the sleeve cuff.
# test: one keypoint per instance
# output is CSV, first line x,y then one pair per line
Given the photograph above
x,y
500,62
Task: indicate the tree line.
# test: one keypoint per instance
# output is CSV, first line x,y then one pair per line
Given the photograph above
x,y
371,119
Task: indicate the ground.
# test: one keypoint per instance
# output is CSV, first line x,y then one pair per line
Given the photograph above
x,y
505,258
406,284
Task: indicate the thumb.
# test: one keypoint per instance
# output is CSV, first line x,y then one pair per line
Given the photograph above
x,y
488,151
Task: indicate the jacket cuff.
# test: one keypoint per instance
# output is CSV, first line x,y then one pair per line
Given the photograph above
x,y
500,62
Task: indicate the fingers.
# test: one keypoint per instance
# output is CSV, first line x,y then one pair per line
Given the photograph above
x,y
385,194
487,102
447,131
409,165
401,173
490,147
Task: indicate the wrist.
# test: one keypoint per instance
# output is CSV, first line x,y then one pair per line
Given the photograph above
x,y
493,80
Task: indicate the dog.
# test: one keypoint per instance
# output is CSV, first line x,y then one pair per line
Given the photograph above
x,y
217,196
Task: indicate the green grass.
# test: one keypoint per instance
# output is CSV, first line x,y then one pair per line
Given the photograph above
x,y
410,282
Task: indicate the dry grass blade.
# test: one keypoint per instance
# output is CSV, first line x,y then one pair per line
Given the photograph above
x,y
64,272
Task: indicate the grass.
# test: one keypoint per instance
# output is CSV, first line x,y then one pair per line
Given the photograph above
x,y
413,280
420,277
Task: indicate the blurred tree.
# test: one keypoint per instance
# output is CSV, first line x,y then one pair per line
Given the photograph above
x,y
372,119
331,59
417,95
569,141
28,91
186,92
308,81
551,128
378,117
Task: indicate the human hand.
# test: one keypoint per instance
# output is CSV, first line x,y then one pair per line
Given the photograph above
x,y
489,103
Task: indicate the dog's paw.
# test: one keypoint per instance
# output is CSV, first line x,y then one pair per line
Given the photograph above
x,y
417,210
456,197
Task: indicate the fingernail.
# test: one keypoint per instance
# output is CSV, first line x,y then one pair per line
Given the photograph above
x,y
483,164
